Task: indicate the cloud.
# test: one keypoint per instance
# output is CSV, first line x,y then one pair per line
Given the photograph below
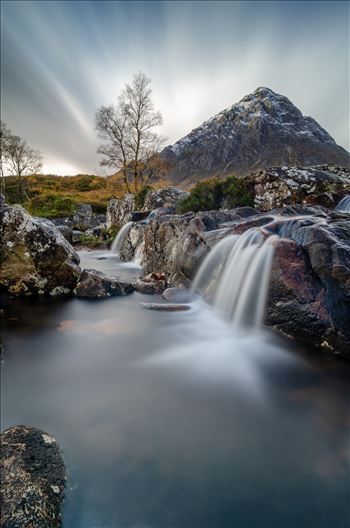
x,y
61,60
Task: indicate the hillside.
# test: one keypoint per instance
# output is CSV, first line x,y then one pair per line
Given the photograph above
x,y
264,129
53,196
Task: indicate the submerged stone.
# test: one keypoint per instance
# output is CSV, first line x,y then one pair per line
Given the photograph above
x,y
166,307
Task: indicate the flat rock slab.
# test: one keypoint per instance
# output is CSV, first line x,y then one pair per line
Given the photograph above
x,y
166,307
94,284
32,479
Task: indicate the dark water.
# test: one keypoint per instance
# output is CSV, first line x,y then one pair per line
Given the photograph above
x,y
169,420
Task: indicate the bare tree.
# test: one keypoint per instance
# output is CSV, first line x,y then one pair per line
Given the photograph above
x,y
126,130
5,134
21,160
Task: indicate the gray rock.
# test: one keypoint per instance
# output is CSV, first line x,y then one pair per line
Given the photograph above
x,y
280,186
35,257
94,284
119,211
32,479
166,197
82,217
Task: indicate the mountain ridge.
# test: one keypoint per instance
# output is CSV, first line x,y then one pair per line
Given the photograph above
x,y
263,129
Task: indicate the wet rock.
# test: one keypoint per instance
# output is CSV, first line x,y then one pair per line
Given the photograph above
x,y
138,216
35,257
32,479
166,307
82,217
119,211
94,284
167,197
178,295
151,284
310,284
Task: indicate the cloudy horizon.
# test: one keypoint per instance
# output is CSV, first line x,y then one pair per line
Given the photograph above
x,y
62,60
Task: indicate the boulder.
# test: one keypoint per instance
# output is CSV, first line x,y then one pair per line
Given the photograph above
x,y
280,186
35,257
82,217
152,283
119,211
167,197
32,479
94,284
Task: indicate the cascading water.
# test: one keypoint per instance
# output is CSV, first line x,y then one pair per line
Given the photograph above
x,y
240,269
138,257
120,238
344,205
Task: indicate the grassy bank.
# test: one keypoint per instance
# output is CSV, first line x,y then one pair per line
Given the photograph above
x,y
54,196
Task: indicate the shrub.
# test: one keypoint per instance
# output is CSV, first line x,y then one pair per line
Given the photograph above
x,y
215,194
51,205
140,196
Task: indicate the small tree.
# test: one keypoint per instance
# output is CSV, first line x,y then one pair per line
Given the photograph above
x,y
21,160
126,130
5,134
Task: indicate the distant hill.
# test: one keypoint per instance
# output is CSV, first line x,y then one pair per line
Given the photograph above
x,y
264,129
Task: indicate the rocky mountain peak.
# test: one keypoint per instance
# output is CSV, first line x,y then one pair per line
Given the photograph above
x,y
262,129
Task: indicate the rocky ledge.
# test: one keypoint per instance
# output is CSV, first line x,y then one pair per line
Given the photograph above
x,y
278,186
35,256
32,479
310,283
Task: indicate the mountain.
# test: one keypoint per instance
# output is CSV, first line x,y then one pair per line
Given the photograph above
x,y
264,129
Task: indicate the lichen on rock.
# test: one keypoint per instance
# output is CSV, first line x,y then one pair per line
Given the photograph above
x,y
33,479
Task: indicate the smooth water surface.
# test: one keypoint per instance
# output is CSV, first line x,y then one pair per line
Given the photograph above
x,y
171,420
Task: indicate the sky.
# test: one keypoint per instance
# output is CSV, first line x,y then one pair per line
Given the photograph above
x,y
61,60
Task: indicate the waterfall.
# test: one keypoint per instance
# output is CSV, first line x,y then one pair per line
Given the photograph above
x,y
344,205
138,257
238,268
120,238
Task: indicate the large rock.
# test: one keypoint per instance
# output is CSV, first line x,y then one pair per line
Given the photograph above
x,y
280,186
310,282
119,211
94,284
82,217
32,479
35,257
166,197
